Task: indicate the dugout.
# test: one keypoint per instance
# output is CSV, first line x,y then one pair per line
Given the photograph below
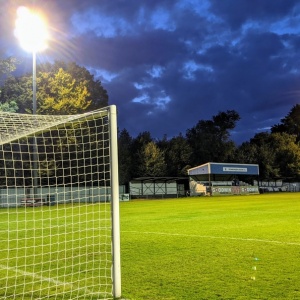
x,y
158,187
223,178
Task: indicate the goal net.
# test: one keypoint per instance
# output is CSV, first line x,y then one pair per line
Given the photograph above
x,y
59,213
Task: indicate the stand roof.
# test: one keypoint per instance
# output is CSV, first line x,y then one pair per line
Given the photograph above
x,y
222,171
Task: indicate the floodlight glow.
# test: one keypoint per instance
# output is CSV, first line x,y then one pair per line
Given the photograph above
x,y
31,30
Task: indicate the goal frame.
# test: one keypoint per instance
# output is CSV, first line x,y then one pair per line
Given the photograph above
x,y
17,131
115,203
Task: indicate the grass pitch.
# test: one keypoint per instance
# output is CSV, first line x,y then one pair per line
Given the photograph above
x,y
230,247
235,247
56,252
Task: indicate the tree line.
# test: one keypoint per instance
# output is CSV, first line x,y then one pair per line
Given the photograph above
x,y
66,88
277,152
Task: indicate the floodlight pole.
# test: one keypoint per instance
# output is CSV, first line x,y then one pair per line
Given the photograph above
x,y
35,153
34,82
32,34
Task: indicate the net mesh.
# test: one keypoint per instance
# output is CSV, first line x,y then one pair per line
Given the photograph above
x,y
55,209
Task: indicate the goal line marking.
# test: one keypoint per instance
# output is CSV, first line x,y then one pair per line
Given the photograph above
x,y
47,279
215,237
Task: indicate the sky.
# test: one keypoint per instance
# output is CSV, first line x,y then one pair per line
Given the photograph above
x,y
167,64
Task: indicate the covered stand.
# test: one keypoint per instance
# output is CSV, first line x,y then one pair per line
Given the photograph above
x,y
224,178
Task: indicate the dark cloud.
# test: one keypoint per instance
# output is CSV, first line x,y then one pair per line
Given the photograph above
x,y
113,54
167,64
237,12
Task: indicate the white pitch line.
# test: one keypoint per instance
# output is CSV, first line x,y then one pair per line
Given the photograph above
x,y
33,275
215,237
47,279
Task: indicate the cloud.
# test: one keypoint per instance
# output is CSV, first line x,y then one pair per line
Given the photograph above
x,y
236,13
167,64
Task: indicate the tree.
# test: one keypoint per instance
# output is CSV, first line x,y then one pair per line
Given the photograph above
x,y
137,145
278,155
10,106
61,94
125,157
177,155
209,139
226,121
152,161
246,153
287,154
7,66
60,90
290,124
18,89
265,155
97,94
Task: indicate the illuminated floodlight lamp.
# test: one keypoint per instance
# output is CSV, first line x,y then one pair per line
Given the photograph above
x,y
31,30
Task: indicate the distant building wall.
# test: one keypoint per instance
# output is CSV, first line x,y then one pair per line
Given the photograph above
x,y
13,197
158,187
148,189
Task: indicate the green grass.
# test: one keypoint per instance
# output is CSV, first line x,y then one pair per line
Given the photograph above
x,y
236,247
57,252
228,247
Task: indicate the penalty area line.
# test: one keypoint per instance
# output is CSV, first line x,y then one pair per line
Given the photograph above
x,y
215,237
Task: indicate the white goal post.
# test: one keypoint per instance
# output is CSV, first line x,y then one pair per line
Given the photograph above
x,y
59,206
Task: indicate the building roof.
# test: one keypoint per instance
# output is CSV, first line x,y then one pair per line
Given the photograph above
x,y
224,169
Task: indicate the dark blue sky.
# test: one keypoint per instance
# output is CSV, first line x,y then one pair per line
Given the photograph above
x,y
167,64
